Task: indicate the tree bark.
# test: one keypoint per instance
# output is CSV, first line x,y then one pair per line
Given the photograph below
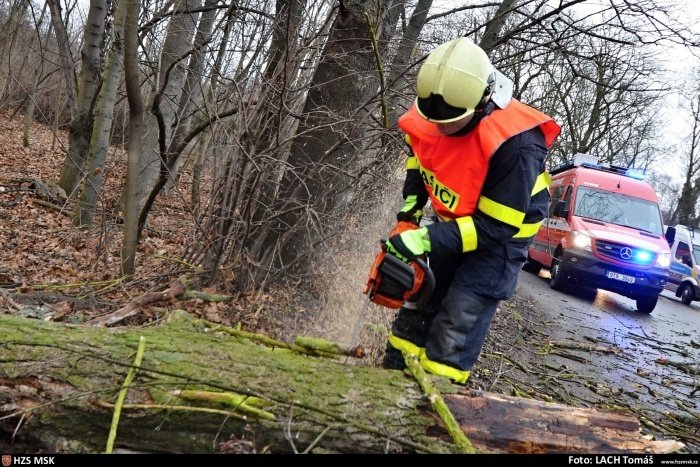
x,y
165,95
15,17
62,381
102,126
495,25
88,86
134,306
326,144
397,79
37,71
66,55
192,91
135,98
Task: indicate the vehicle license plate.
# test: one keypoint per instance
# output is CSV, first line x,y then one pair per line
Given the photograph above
x,y
619,277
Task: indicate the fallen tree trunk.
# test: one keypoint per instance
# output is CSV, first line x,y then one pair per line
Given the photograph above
x,y
58,385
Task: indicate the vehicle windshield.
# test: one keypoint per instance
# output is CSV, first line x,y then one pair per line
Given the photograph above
x,y
696,252
619,209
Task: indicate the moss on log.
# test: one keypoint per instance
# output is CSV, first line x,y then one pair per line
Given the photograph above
x,y
63,380
203,389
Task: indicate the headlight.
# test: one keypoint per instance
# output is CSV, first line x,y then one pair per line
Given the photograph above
x,y
582,240
664,259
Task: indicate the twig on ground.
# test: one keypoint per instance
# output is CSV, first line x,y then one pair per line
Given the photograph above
x,y
11,304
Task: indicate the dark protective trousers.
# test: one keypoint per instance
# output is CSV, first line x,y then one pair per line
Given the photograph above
x,y
456,320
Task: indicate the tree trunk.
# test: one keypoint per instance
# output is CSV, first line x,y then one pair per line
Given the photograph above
x,y
65,53
16,15
192,90
326,144
251,193
37,71
495,25
396,81
204,139
102,126
135,98
165,95
88,86
62,380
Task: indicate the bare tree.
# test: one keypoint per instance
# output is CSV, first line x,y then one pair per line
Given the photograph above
x,y
88,87
250,175
668,191
686,210
133,92
15,16
65,51
288,108
326,142
38,71
102,126
402,59
193,91
166,89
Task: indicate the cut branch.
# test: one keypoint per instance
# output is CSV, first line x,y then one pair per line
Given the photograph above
x,y
176,289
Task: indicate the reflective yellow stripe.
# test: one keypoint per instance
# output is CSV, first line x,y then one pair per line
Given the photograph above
x,y
467,231
528,230
440,369
542,183
501,212
412,163
405,346
409,203
407,139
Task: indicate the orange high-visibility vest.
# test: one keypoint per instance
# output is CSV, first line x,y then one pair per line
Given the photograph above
x,y
454,167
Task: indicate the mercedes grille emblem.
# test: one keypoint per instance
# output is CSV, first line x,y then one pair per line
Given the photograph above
x,y
626,253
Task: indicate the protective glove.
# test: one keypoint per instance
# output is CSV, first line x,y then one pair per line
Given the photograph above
x,y
407,246
410,211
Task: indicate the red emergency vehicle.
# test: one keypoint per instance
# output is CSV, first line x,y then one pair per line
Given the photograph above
x,y
604,230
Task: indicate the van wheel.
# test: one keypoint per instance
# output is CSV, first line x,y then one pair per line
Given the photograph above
x,y
646,303
532,266
558,279
686,293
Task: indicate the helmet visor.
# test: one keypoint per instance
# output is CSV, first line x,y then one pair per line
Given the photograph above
x,y
434,109
454,102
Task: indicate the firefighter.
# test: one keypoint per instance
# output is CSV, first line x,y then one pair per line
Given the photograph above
x,y
479,156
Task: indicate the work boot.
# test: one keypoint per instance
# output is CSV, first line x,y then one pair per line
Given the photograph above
x,y
393,359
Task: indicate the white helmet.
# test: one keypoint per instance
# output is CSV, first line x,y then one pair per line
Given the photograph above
x,y
456,79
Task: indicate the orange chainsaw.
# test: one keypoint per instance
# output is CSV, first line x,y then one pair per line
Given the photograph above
x,y
393,283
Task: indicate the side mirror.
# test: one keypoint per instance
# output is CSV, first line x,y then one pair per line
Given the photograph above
x,y
559,210
670,235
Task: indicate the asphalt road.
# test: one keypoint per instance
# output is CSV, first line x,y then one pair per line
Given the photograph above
x,y
655,370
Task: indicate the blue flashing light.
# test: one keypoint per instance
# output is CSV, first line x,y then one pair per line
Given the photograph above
x,y
637,174
642,256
